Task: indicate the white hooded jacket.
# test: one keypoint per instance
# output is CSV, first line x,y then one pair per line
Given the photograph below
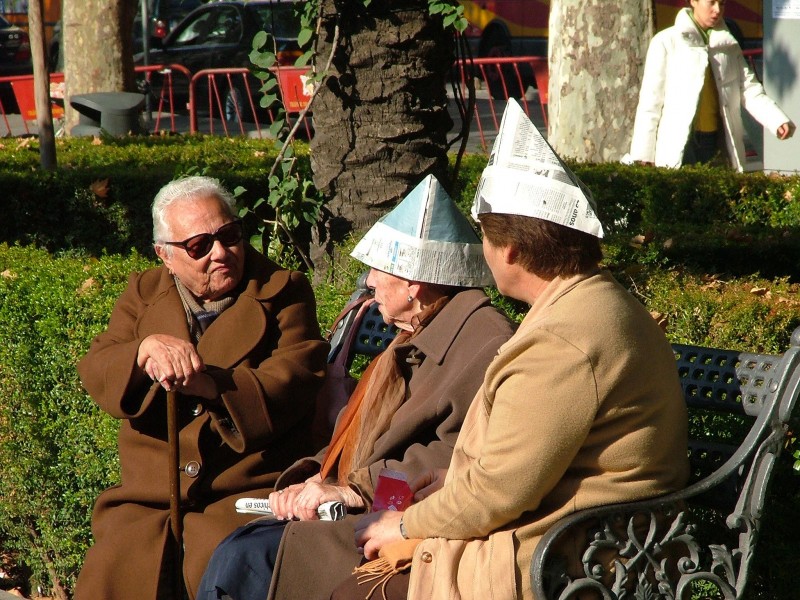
x,y
673,78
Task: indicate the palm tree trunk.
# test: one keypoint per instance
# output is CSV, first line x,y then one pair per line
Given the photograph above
x,y
381,118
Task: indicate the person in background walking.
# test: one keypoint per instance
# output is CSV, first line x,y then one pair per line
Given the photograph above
x,y
695,83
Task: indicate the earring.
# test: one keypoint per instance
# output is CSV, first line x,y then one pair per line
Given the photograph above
x,y
410,299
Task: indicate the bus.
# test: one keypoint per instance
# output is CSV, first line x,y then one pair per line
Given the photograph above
x,y
519,27
16,12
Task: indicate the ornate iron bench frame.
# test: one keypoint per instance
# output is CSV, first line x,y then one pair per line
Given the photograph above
x,y
662,548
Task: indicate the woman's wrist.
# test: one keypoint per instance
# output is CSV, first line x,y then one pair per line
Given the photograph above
x,y
403,531
350,498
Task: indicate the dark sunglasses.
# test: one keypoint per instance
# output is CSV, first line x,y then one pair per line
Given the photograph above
x,y
201,244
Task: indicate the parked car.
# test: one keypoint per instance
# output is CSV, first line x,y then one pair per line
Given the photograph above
x,y
15,59
163,16
219,35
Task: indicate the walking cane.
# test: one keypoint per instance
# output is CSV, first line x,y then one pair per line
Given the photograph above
x,y
176,524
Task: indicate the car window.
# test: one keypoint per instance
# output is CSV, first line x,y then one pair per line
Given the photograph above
x,y
278,19
177,5
228,27
194,32
217,26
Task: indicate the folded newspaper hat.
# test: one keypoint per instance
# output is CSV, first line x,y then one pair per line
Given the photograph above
x,y
526,177
426,238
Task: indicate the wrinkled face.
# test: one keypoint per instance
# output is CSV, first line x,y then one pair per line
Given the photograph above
x,y
218,272
391,294
707,13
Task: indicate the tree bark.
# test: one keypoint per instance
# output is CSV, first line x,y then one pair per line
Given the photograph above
x,y
44,113
597,52
98,48
381,117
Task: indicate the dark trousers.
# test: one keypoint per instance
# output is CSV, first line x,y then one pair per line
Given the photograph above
x,y
395,588
242,565
702,147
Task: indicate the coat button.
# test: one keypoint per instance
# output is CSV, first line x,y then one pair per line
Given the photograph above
x,y
192,468
197,410
426,557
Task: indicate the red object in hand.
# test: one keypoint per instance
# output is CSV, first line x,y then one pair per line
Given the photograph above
x,y
392,492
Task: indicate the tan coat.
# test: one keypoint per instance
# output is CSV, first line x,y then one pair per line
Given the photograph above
x,y
457,346
581,408
267,358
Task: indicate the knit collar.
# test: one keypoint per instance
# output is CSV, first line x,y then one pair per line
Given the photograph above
x,y
200,316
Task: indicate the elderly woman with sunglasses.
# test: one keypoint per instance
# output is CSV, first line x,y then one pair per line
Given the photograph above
x,y
236,337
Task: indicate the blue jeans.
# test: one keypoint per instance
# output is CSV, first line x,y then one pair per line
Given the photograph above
x,y
242,565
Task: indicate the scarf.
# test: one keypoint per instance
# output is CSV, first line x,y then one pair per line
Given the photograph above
x,y
380,392
199,317
392,559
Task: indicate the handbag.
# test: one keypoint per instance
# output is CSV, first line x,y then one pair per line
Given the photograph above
x,y
339,384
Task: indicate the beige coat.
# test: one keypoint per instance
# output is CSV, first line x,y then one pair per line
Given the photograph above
x,y
268,360
582,407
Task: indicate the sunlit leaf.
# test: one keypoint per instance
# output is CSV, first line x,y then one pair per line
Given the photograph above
x,y
304,59
304,37
259,39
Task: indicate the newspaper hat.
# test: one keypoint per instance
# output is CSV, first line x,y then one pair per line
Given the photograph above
x,y
526,177
426,238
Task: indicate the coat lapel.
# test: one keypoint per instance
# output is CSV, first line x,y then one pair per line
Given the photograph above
x,y
234,334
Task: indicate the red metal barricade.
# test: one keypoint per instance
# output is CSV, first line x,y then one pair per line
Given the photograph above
x,y
523,77
160,86
229,99
22,87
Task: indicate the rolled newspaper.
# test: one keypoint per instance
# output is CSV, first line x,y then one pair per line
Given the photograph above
x,y
328,511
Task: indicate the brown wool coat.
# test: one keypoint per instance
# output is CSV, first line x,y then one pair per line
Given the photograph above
x,y
268,360
457,346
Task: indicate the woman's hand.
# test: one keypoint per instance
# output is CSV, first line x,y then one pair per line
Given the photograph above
x,y
281,503
170,361
375,530
427,483
301,501
786,130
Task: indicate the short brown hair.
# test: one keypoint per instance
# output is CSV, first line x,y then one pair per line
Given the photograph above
x,y
546,249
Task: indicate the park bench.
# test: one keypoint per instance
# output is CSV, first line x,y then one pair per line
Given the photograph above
x,y
704,535
739,407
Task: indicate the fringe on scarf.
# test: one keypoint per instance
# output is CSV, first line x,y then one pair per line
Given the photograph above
x,y
394,558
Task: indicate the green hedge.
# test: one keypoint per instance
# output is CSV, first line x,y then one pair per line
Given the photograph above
x,y
99,198
713,252
707,219
56,448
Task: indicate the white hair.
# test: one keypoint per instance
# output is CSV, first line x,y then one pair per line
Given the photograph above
x,y
186,189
